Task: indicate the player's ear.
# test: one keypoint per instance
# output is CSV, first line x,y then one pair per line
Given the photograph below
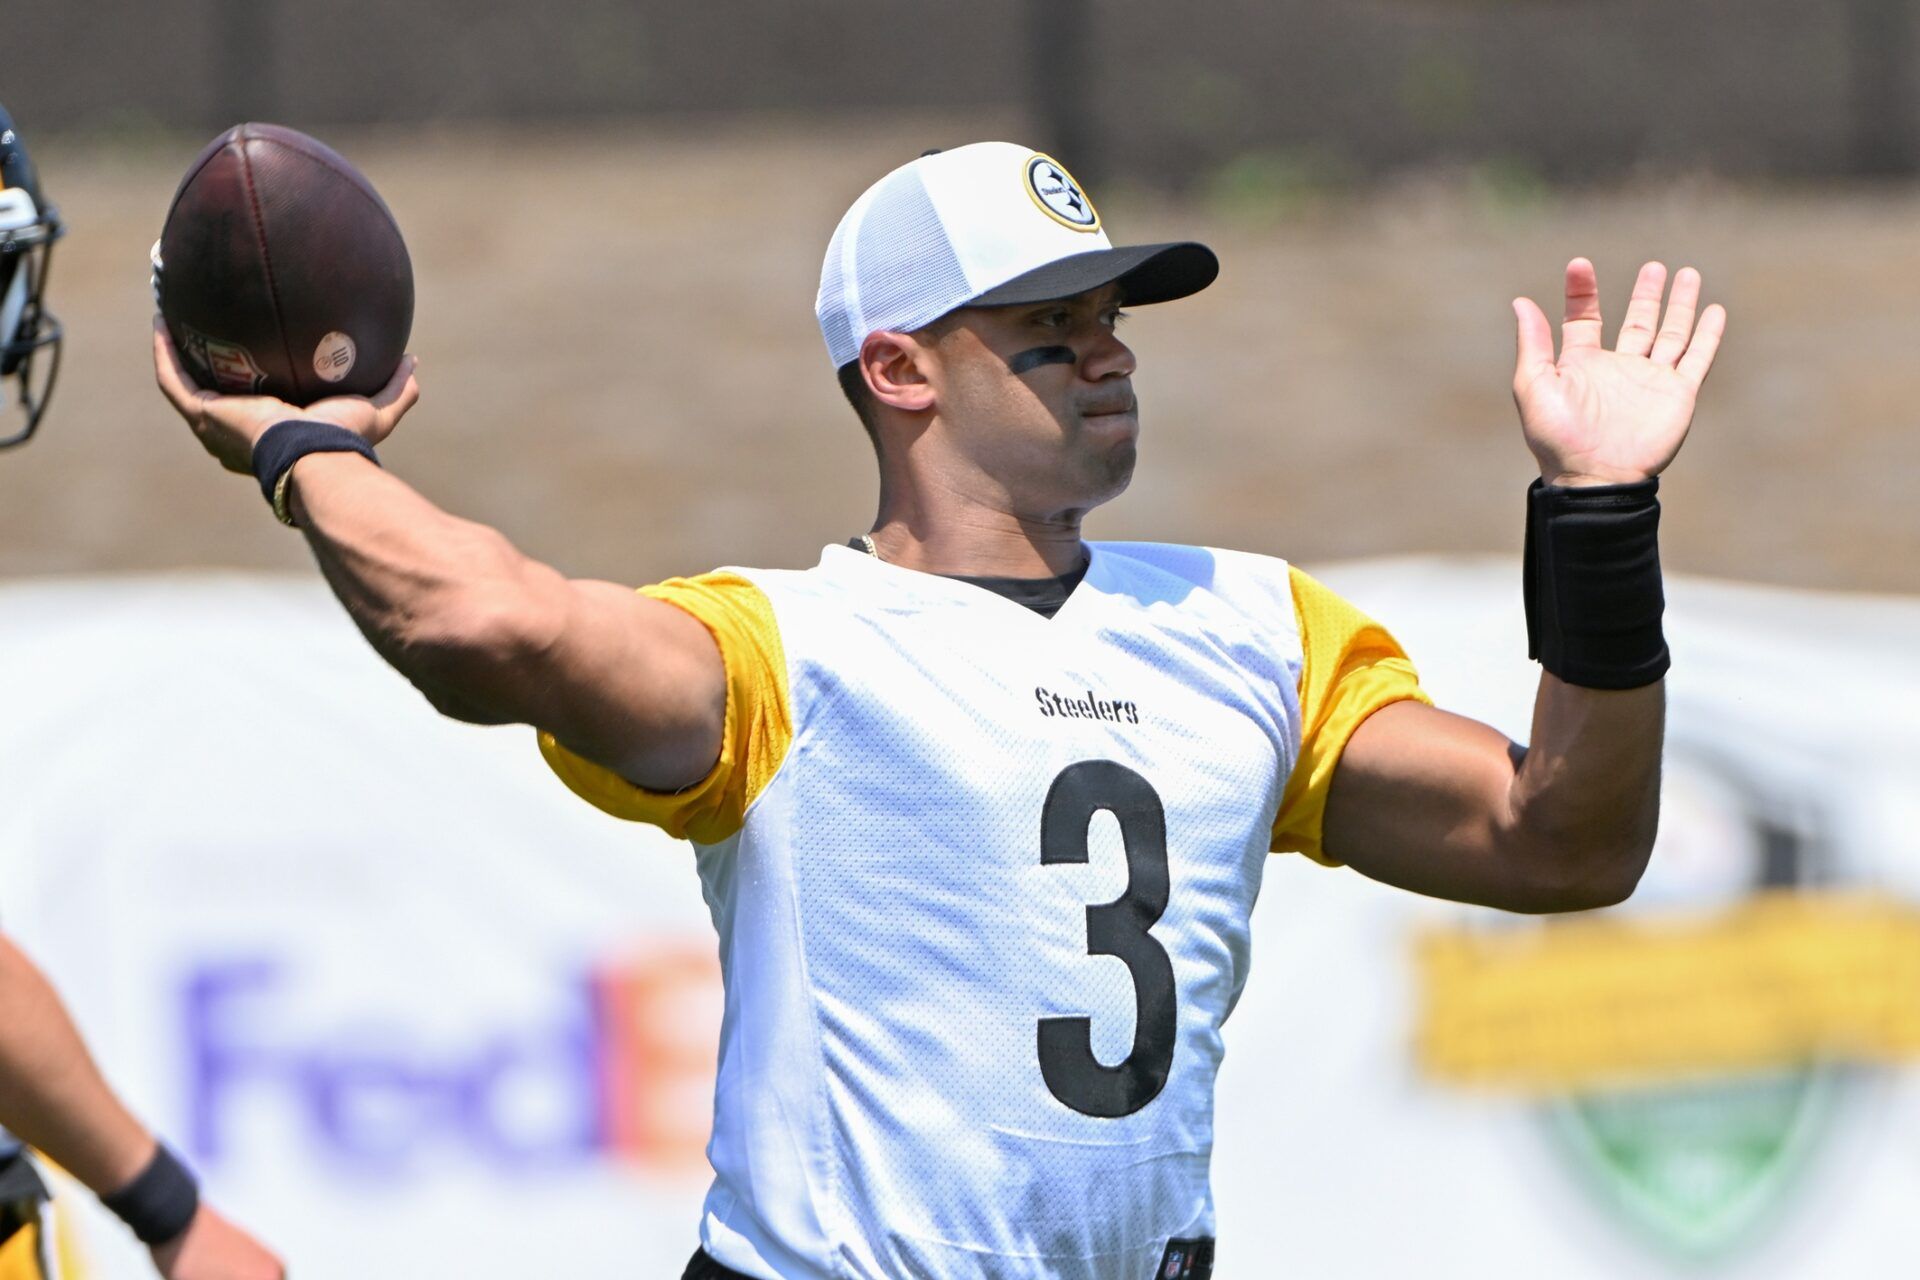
x,y
893,365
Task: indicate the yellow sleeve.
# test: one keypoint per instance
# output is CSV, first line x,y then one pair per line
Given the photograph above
x,y
1352,668
759,720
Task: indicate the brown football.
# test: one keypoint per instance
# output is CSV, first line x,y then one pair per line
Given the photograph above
x,y
281,271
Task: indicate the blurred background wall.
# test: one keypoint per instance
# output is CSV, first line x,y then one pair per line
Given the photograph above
x,y
1573,87
1162,91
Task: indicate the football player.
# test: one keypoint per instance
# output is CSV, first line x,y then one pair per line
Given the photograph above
x,y
981,808
52,1095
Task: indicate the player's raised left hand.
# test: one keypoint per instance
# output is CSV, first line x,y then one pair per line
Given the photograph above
x,y
1596,416
228,426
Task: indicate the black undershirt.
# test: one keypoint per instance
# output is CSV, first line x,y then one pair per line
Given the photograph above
x,y
1042,595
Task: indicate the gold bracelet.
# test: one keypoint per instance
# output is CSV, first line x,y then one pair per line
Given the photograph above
x,y
282,493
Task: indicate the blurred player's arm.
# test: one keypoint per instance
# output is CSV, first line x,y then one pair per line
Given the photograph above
x,y
53,1098
1447,806
488,634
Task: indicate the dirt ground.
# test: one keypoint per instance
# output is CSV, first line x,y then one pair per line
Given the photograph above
x,y
621,368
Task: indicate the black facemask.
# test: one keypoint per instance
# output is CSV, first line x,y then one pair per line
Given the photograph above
x,y
30,355
29,333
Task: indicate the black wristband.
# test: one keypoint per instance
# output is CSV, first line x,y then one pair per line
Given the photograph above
x,y
1592,584
285,443
160,1202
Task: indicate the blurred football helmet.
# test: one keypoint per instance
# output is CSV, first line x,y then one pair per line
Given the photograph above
x,y
29,334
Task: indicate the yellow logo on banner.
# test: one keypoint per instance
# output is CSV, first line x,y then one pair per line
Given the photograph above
x,y
1783,979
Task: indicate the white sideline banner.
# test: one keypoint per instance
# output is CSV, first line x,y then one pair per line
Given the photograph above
x,y
413,1010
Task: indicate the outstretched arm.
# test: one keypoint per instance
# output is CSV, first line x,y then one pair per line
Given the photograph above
x,y
1446,806
488,634
53,1098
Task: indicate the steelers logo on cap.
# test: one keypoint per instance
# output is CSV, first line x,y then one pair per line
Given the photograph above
x,y
1058,195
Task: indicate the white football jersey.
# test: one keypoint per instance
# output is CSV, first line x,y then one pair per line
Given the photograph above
x,y
982,920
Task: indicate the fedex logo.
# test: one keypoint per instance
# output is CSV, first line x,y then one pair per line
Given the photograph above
x,y
618,1064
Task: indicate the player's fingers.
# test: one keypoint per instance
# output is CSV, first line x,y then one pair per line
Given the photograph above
x,y
403,377
1678,326
1533,343
1643,311
1581,326
400,394
1695,365
175,385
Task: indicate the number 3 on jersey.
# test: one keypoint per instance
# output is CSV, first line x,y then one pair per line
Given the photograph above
x,y
1119,929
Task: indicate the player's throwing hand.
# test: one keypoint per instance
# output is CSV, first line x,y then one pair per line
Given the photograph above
x,y
1596,416
228,426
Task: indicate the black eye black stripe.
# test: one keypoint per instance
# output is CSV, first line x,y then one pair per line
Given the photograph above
x,y
1028,361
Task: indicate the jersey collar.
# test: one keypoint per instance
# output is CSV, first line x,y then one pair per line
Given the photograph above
x,y
922,589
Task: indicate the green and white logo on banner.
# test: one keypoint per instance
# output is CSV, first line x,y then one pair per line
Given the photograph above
x,y
1698,1168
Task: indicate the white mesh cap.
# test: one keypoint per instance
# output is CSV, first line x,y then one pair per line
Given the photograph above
x,y
986,224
